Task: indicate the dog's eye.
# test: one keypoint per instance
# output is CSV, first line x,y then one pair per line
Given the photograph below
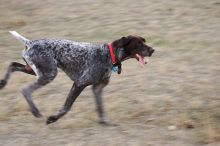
x,y
140,43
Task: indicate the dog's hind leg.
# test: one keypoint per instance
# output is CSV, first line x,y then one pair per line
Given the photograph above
x,y
15,66
74,93
46,70
41,81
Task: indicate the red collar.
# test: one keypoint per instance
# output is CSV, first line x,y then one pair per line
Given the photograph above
x,y
111,53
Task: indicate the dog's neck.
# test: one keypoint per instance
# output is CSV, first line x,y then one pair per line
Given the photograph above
x,y
117,56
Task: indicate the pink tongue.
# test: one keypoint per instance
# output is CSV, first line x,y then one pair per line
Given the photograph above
x,y
141,60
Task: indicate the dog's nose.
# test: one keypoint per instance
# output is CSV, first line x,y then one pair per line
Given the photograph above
x,y
151,52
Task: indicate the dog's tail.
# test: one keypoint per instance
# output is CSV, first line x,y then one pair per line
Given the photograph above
x,y
21,38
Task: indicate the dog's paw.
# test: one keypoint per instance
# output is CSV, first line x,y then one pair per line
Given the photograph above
x,y
36,112
2,83
51,119
107,123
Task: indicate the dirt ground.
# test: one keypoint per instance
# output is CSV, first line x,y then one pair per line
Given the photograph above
x,y
173,101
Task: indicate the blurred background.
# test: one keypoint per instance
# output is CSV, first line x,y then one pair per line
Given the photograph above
x,y
173,101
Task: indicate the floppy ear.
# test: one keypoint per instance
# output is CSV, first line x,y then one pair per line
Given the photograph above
x,y
120,53
120,43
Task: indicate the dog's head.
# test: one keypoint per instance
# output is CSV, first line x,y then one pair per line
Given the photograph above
x,y
134,47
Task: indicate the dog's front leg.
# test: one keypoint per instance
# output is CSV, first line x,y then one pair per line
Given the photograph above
x,y
74,93
97,90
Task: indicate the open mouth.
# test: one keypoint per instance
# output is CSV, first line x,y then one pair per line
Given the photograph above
x,y
142,61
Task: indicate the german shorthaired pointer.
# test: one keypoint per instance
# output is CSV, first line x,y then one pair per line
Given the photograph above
x,y
85,64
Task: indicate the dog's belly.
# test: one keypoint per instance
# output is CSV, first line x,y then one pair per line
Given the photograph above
x,y
87,74
72,66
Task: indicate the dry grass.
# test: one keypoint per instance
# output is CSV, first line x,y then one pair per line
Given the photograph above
x,y
178,89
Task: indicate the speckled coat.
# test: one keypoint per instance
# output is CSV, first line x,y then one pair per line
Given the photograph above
x,y
84,63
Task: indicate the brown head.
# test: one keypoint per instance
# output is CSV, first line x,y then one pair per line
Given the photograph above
x,y
133,47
